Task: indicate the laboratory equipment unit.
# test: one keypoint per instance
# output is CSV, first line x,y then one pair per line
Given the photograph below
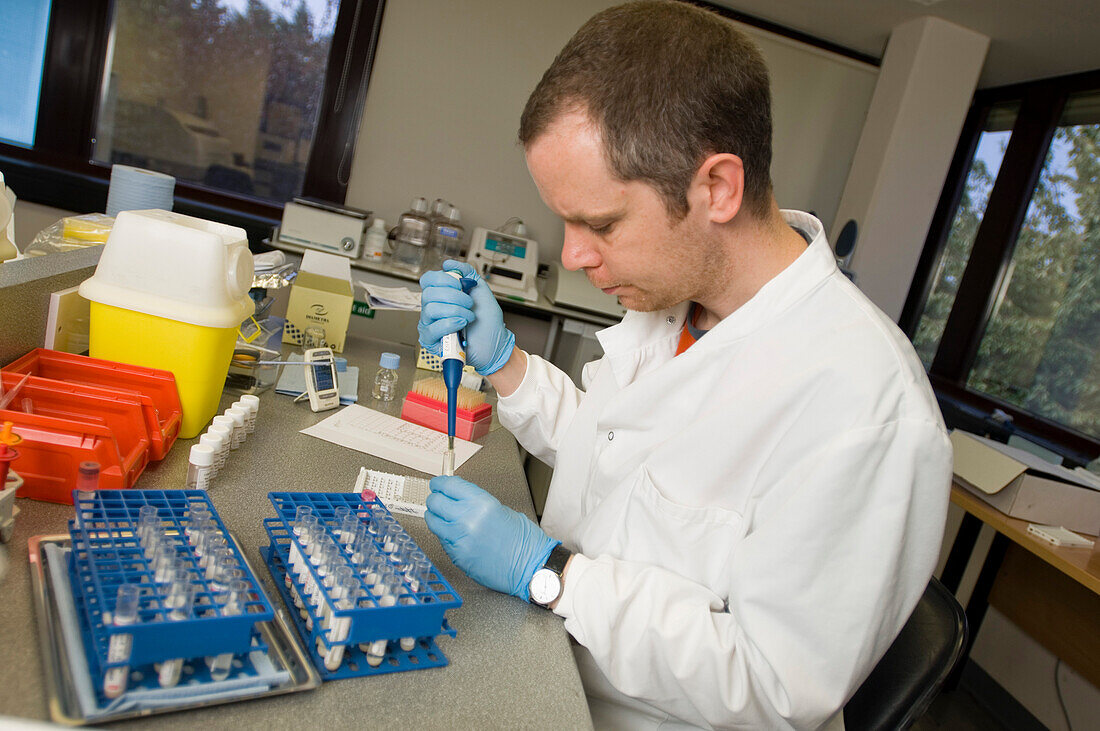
x,y
509,263
324,227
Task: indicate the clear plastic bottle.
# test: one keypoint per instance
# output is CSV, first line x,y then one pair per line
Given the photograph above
x,y
447,236
375,246
385,381
200,469
439,210
413,231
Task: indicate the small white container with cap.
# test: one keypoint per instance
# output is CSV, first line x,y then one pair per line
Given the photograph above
x,y
234,434
201,467
239,415
252,404
215,441
226,433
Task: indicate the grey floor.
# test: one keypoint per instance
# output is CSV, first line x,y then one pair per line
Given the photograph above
x,y
957,711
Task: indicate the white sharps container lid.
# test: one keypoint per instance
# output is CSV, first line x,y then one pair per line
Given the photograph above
x,y
174,266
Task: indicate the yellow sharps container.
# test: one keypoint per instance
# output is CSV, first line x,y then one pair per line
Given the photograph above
x,y
169,292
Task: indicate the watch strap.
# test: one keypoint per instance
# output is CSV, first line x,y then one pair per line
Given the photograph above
x,y
559,556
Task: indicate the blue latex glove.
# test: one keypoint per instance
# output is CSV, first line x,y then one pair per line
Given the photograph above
x,y
445,308
496,546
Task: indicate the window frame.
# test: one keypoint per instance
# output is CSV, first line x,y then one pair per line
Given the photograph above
x,y
1041,106
59,170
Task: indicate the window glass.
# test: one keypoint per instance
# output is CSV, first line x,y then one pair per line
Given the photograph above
x,y
960,239
1041,348
22,53
222,93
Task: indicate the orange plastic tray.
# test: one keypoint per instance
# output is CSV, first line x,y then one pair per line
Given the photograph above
x,y
156,389
67,425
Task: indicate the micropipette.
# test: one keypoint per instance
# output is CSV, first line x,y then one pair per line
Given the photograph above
x,y
454,360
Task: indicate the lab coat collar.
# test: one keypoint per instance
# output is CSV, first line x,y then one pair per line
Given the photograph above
x,y
652,336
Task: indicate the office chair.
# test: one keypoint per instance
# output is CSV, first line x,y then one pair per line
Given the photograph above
x,y
908,677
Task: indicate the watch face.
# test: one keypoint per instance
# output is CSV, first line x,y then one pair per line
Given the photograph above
x,y
545,586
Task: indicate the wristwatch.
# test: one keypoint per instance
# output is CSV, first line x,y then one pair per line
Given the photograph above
x,y
546,584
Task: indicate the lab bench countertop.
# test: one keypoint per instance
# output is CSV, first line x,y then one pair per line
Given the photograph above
x,y
510,665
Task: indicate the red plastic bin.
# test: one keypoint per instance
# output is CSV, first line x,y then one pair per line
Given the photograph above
x,y
67,426
156,389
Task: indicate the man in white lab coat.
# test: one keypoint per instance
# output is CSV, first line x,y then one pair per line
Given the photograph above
x,y
750,486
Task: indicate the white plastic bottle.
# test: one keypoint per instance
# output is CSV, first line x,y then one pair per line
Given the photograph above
x,y
374,247
385,381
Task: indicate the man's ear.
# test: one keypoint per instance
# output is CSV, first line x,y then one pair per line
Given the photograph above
x,y
719,187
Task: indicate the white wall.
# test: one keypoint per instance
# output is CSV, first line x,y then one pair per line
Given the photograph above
x,y
30,218
450,81
928,77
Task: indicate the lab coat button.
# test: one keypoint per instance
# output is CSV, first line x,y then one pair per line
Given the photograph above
x,y
610,435
671,320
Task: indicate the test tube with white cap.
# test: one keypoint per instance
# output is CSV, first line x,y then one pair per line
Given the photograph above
x,y
239,415
126,613
200,468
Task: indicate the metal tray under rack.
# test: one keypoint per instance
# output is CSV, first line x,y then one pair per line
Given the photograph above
x,y
284,651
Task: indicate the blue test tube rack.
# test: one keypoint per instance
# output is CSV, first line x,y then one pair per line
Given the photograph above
x,y
106,553
419,614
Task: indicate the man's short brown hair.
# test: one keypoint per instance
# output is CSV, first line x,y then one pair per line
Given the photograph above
x,y
667,84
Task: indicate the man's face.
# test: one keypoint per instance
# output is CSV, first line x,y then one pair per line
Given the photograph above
x,y
619,233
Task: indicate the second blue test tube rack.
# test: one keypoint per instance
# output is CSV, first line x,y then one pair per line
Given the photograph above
x,y
364,596
118,537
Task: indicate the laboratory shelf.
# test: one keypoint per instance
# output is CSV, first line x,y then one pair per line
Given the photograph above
x,y
416,608
108,552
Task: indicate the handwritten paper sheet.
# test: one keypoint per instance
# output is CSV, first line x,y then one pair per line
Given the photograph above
x,y
366,430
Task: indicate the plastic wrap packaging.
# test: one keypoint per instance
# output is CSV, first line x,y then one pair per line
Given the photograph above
x,y
271,270
74,232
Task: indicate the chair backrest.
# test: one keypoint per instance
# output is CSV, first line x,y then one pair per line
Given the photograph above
x,y
909,675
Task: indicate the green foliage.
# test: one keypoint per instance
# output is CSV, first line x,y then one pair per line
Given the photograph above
x,y
1041,349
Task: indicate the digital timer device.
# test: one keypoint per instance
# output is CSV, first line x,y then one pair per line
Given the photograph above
x,y
321,384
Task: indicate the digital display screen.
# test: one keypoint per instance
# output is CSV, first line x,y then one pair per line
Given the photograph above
x,y
323,378
508,247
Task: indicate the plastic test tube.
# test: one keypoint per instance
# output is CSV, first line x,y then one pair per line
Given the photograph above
x,y
87,480
126,611
301,517
240,422
345,593
386,591
234,597
234,434
180,600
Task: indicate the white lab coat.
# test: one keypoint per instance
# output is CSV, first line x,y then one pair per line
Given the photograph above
x,y
754,519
